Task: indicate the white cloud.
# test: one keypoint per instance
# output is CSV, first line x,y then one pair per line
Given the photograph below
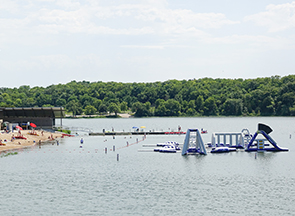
x,y
68,4
10,6
142,47
165,17
60,21
54,64
76,39
256,42
69,16
276,17
185,18
49,62
176,27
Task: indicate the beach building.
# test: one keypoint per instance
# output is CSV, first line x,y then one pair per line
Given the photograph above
x,y
43,117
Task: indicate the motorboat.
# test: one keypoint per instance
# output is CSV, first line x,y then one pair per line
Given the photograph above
x,y
167,146
176,144
168,149
168,143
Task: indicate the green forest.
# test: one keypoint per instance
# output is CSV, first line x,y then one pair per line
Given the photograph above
x,y
269,96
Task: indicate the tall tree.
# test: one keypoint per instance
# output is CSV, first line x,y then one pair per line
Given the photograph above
x,y
114,108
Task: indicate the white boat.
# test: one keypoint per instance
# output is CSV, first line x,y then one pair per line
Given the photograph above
x,y
167,146
168,143
168,149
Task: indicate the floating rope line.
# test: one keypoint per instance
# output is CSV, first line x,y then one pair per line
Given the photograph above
x,y
36,149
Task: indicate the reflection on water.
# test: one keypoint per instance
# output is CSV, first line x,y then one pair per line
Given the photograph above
x,y
69,180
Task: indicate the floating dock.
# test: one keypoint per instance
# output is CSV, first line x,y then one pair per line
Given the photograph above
x,y
136,133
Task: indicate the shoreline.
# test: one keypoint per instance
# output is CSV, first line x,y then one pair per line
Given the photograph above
x,y
30,138
111,115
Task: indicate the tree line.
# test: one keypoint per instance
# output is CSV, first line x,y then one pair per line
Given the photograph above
x,y
269,96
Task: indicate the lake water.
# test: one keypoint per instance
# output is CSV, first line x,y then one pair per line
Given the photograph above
x,y
68,180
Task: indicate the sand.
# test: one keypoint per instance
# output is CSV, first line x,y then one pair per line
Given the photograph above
x,y
40,136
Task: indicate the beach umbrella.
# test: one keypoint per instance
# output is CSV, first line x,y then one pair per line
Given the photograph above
x,y
142,127
33,125
18,127
134,127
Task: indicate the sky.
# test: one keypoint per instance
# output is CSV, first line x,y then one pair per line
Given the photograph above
x,y
45,42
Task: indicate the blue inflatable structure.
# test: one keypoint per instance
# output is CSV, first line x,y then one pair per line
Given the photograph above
x,y
236,140
193,143
223,142
259,144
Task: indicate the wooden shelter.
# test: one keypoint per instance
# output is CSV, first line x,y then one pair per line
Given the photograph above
x,y
43,117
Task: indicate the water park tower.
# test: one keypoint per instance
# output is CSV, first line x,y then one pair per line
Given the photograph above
x,y
193,143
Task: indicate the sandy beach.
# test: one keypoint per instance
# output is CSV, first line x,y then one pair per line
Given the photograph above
x,y
15,140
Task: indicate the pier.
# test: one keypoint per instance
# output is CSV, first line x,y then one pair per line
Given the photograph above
x,y
114,133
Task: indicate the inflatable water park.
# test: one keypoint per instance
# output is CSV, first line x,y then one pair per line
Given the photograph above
x,y
256,144
223,142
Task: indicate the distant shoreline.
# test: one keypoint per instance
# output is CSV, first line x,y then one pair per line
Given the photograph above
x,y
120,115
